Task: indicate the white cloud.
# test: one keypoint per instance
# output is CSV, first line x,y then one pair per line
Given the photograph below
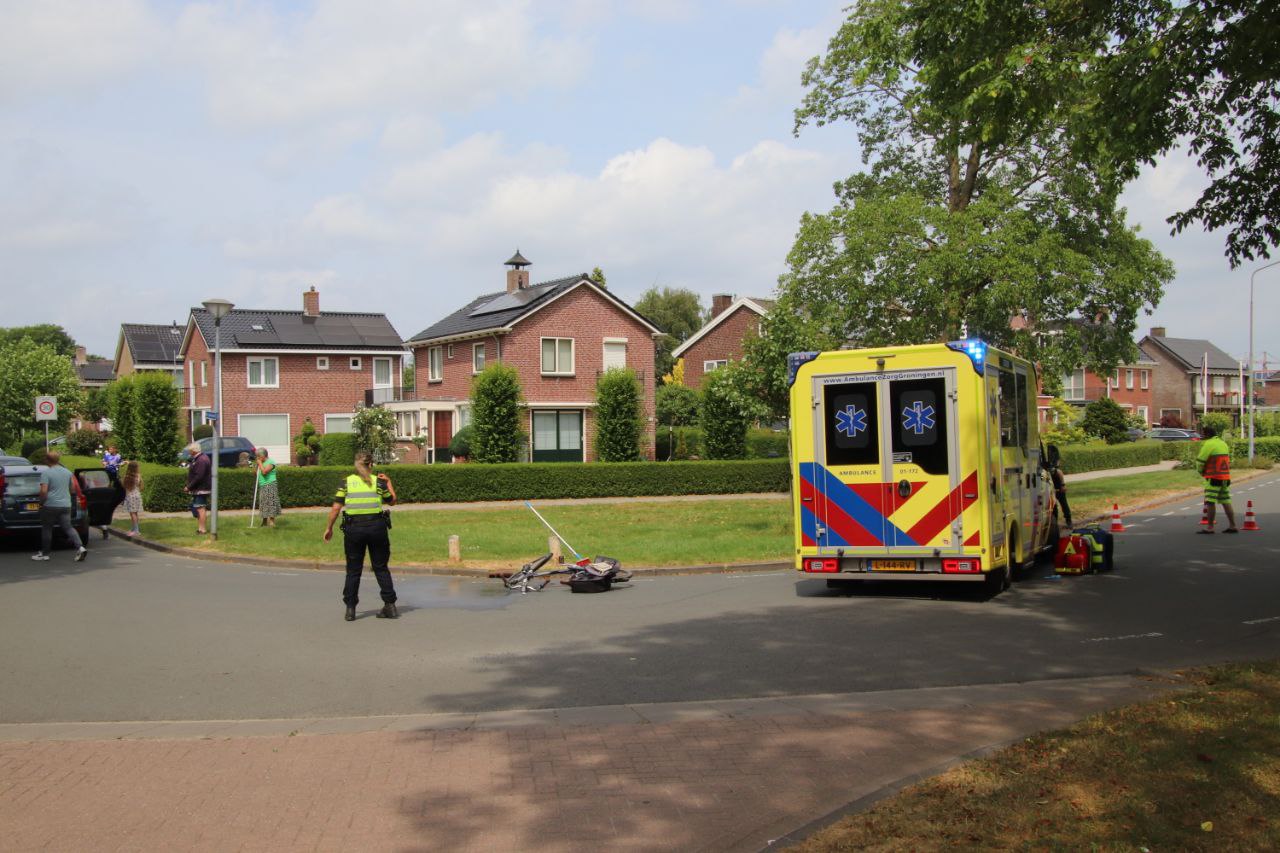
x,y
351,57
53,45
780,67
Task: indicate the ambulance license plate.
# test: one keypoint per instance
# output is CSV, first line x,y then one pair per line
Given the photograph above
x,y
893,565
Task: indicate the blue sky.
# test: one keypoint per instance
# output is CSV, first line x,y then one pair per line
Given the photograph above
x,y
393,154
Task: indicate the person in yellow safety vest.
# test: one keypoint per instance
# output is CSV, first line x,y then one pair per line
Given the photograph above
x,y
361,500
1214,464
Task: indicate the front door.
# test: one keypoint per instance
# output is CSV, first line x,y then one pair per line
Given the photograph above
x,y
557,436
442,434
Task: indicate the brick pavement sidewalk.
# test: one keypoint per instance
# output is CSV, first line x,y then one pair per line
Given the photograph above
x,y
728,775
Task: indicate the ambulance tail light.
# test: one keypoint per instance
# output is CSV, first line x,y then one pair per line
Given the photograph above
x,y
961,565
828,564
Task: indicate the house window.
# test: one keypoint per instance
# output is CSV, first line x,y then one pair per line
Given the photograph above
x,y
477,358
204,374
557,356
337,423
557,436
406,424
615,354
356,363
322,362
1128,379
264,373
449,354
1143,414
1146,379
464,416
382,373
715,364
1114,379
435,364
1073,385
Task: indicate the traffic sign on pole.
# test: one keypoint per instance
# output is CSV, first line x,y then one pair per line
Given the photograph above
x,y
46,408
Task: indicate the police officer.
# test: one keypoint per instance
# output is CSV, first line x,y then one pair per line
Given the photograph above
x,y
365,523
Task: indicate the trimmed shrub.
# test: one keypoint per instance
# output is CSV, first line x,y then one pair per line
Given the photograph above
x,y
767,443
39,456
156,406
679,443
1220,422
495,414
375,431
724,420
618,416
1078,459
83,442
306,444
32,443
336,448
1105,419
202,431
314,486
460,444
676,405
121,406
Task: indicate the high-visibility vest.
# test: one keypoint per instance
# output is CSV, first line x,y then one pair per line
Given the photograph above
x,y
362,499
1217,467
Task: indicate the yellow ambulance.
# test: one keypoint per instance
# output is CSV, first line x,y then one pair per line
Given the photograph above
x,y
917,463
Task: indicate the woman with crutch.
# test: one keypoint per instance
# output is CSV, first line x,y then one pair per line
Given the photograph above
x,y
361,499
268,493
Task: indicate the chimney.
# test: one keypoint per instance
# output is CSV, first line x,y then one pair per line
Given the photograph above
x,y
719,302
1157,331
82,355
311,303
517,276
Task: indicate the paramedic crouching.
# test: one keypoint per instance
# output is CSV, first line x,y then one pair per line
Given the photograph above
x,y
361,499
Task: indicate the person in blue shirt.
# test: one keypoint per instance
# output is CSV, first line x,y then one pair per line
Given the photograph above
x,y
58,487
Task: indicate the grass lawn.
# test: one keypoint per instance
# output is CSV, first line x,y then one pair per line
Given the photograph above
x,y
674,533
1095,497
1194,771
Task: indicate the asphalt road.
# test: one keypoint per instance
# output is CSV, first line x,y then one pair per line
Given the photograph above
x,y
134,635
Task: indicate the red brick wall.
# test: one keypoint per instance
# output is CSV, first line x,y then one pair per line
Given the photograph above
x,y
1170,387
722,342
1131,398
304,391
588,318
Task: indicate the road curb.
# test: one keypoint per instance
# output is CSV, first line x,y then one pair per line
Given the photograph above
x,y
424,569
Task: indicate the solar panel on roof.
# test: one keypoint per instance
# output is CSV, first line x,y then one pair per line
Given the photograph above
x,y
507,302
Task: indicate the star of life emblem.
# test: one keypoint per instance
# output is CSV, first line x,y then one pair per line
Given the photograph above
x,y
851,420
918,418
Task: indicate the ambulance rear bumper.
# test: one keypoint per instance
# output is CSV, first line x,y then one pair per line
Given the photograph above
x,y
958,568
929,577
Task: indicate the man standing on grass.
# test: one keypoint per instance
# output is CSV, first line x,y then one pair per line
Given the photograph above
x,y
199,484
1214,464
57,486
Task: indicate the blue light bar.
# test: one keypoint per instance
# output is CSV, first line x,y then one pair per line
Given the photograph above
x,y
974,348
795,361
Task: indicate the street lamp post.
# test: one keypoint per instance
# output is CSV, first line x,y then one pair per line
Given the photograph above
x,y
1252,402
219,308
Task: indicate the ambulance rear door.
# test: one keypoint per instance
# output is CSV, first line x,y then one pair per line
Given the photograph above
x,y
922,474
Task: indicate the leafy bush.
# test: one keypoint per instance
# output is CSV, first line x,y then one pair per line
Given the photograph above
x,y
1171,420
1265,424
121,406
1064,424
31,444
1220,421
495,414
1078,459
679,443
314,486
306,444
335,448
618,416
375,431
202,431
83,442
156,406
39,456
1105,419
726,414
460,445
767,444
676,405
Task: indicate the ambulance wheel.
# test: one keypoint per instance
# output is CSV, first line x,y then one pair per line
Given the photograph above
x,y
998,581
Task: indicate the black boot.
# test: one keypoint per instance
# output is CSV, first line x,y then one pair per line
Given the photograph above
x,y
351,614
388,611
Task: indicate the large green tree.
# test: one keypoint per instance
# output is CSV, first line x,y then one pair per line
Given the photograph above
x,y
678,313
29,370
45,334
975,213
157,410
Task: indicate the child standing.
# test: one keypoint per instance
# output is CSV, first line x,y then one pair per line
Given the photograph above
x,y
132,494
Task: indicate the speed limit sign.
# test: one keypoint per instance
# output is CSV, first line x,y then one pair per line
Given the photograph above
x,y
46,408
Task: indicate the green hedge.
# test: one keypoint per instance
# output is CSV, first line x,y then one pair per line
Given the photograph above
x,y
761,443
314,486
1076,459
337,448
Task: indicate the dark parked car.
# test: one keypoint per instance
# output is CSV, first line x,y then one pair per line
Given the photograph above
x,y
20,499
1173,434
229,450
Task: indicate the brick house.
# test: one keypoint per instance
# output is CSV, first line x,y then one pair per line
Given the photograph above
x,y
560,335
1176,379
280,368
145,347
1130,385
720,340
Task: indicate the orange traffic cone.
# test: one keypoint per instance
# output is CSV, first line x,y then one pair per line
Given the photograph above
x,y
1250,523
1204,516
1117,526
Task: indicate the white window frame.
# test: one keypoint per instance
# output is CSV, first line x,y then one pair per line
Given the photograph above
x,y
204,373
449,351
1128,378
713,364
604,349
356,363
391,371
435,366
328,415
1145,380
477,350
408,414
1144,412
261,360
1070,391
559,370
191,370
322,362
